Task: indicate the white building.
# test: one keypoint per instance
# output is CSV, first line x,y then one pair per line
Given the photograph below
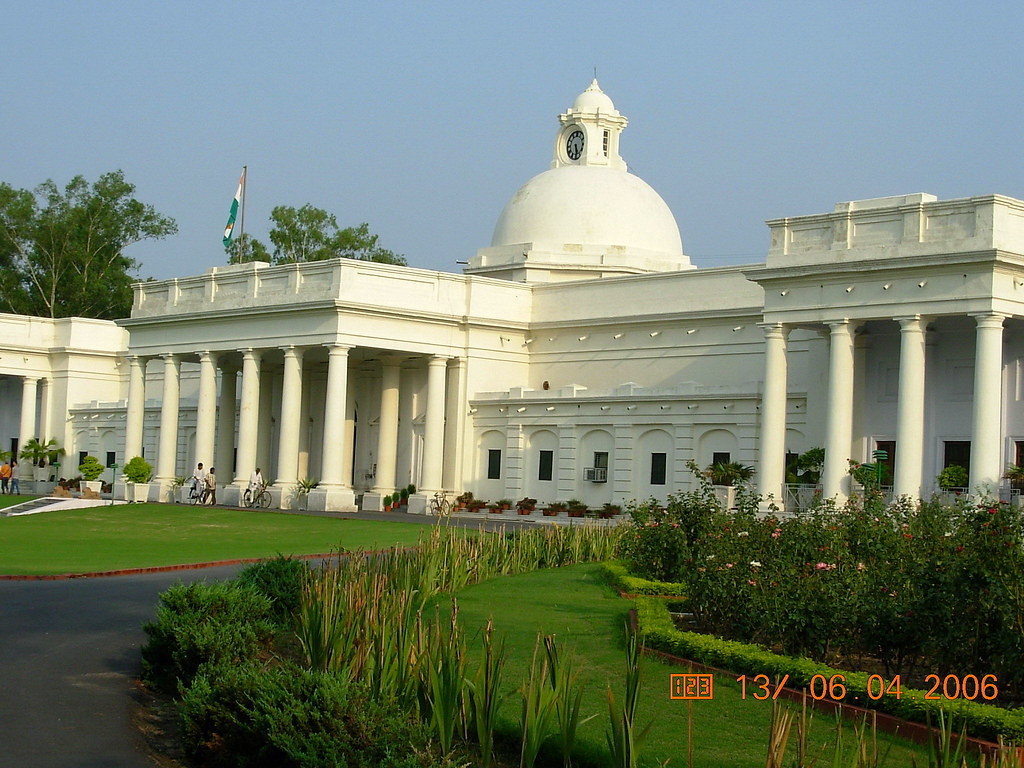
x,y
580,355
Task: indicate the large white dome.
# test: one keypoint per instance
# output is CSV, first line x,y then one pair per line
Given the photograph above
x,y
589,206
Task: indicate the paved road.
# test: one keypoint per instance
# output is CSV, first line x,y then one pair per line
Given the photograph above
x,y
69,653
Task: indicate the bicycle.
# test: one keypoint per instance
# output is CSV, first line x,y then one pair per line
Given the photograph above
x,y
260,497
440,506
195,495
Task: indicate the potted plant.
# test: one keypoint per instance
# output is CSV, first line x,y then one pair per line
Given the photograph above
x,y
386,502
953,478
137,474
554,508
608,511
725,476
494,508
505,504
91,469
403,497
302,489
41,455
526,505
411,489
1015,474
475,505
463,499
577,508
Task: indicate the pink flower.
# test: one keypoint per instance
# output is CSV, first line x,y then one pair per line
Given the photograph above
x,y
751,582
776,533
728,565
861,566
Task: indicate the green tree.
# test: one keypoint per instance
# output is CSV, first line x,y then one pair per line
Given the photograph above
x,y
312,234
62,251
247,248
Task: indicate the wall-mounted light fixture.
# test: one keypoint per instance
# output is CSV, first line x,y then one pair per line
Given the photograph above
x,y
666,407
618,335
521,409
584,337
606,407
527,342
922,284
887,286
691,331
630,407
550,408
738,328
472,410
849,288
784,293
655,333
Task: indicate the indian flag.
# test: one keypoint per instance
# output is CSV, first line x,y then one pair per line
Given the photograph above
x,y
230,227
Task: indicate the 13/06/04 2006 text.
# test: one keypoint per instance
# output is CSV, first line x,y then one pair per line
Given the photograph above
x,y
763,688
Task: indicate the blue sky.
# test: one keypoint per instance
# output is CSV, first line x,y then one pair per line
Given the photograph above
x,y
424,118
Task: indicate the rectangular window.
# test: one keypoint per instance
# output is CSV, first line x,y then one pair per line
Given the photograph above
x,y
494,464
601,459
547,463
14,447
957,452
659,462
81,458
721,457
1019,452
606,137
111,458
889,462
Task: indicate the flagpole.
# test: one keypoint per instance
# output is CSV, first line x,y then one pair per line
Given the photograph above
x,y
241,223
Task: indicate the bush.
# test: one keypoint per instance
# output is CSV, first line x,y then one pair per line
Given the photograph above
x,y
91,468
199,624
138,470
286,716
281,581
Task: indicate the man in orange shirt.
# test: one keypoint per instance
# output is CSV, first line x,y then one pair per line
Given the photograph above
x,y
5,477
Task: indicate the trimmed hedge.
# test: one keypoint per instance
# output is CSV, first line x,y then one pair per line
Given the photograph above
x,y
658,631
619,577
203,623
281,581
248,716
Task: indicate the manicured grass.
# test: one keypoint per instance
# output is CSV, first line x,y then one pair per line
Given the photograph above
x,y
574,604
145,535
8,500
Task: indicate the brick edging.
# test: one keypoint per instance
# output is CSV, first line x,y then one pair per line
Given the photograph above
x,y
150,569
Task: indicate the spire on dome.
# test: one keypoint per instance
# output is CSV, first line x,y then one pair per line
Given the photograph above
x,y
594,100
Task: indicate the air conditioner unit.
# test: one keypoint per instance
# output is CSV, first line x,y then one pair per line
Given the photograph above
x,y
595,474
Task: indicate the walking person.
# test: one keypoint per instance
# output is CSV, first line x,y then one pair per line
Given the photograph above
x,y
5,477
15,477
199,481
210,489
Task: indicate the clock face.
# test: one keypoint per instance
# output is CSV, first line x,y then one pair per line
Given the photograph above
x,y
574,145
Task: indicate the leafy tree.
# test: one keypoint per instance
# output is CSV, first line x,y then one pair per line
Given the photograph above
x,y
312,234
247,248
62,251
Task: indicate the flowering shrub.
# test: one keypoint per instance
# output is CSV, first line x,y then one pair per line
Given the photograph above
x,y
921,587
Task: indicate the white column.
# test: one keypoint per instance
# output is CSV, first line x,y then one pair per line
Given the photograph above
x,y
333,455
291,412
839,426
454,424
350,431
986,434
225,439
206,410
45,406
387,426
334,491
433,432
167,453
772,475
270,384
248,417
27,430
910,409
135,419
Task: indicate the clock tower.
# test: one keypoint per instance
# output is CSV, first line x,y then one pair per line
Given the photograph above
x,y
590,132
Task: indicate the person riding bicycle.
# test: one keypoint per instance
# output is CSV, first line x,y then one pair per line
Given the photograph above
x,y
256,480
198,480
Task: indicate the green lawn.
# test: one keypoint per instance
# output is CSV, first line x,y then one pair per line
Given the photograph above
x,y
584,613
144,535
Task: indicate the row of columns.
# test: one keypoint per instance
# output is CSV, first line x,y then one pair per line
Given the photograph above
x,y
986,437
335,464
